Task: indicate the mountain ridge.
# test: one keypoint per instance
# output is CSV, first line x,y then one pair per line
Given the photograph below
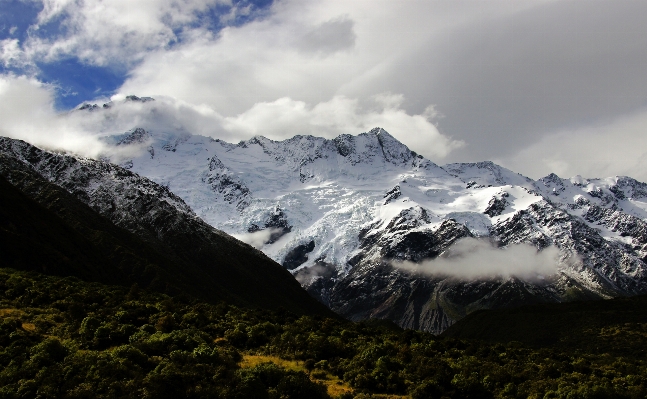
x,y
351,205
339,212
146,234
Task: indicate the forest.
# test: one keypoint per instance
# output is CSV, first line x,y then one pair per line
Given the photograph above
x,y
61,337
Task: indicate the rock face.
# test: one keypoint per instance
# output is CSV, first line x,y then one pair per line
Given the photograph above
x,y
129,229
341,213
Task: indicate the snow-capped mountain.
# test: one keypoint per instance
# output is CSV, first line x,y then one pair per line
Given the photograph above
x,y
338,212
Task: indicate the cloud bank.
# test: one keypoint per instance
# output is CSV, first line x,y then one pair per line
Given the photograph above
x,y
513,80
472,259
29,115
614,147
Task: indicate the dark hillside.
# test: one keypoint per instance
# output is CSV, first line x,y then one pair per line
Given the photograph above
x,y
66,338
616,326
46,228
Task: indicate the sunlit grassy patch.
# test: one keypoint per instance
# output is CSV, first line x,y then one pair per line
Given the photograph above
x,y
250,361
10,312
334,385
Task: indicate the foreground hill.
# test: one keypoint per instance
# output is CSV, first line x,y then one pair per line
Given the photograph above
x,y
93,220
62,337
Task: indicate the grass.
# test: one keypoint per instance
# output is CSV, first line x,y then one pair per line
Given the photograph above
x,y
10,312
334,385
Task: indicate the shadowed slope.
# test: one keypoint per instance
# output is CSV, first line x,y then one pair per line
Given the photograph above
x,y
128,235
617,326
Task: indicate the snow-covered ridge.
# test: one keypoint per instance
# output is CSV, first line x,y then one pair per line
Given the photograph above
x,y
336,211
329,190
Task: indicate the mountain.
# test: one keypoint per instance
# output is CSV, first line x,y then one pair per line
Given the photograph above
x,y
338,213
65,215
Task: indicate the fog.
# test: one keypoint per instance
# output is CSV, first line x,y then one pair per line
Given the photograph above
x,y
258,238
305,275
477,259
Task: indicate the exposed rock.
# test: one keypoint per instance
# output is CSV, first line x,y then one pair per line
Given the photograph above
x,y
497,205
135,136
277,221
392,194
298,255
139,99
88,107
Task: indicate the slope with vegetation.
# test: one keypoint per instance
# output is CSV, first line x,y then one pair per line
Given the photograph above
x,y
62,337
616,326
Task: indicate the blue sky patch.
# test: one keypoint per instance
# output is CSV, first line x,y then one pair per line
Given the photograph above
x,y
77,82
16,17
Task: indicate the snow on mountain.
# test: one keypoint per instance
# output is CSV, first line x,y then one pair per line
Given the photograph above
x,y
487,174
328,190
146,233
337,213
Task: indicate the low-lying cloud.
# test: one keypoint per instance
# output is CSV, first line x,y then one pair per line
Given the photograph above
x,y
307,274
286,117
259,238
474,259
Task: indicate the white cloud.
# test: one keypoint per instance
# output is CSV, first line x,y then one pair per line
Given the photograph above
x,y
285,118
475,259
500,74
113,32
11,55
312,51
257,239
27,113
317,68
616,147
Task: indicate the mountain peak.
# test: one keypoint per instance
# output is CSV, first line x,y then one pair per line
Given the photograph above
x,y
135,136
139,99
552,178
394,151
378,131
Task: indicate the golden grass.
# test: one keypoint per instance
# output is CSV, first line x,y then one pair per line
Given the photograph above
x,y
10,312
253,360
334,385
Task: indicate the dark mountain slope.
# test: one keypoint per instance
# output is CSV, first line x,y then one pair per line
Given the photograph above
x,y
65,237
617,326
102,223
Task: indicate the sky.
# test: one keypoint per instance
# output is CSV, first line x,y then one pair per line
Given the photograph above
x,y
537,86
